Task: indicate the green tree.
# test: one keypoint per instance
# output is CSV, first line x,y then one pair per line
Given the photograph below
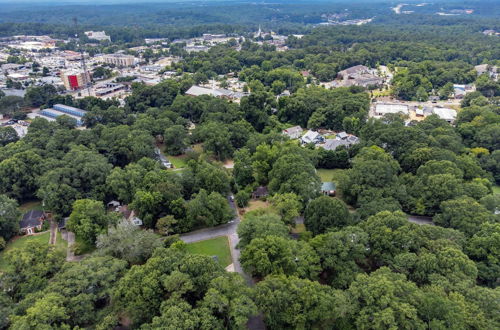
x,y
483,248
169,272
48,312
9,217
421,95
148,205
446,267
293,173
257,225
175,138
291,302
324,213
243,171
207,210
8,135
373,174
83,306
37,96
464,214
288,206
88,219
384,300
277,255
19,174
166,225
341,254
128,242
31,268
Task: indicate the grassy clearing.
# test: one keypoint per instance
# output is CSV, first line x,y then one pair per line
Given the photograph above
x,y
31,205
327,175
178,161
381,93
299,228
198,148
218,246
257,204
20,242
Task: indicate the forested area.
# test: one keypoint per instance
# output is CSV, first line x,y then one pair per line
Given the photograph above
x,y
359,264
430,168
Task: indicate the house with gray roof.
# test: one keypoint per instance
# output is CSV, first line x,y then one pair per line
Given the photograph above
x,y
31,222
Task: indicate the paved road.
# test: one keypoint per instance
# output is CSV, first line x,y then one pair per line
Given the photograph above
x,y
228,230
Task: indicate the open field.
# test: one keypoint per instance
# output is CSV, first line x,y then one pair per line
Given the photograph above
x,y
327,175
218,246
31,205
177,161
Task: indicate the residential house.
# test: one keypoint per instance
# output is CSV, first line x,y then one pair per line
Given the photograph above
x,y
260,192
129,215
293,132
312,137
31,222
491,70
342,139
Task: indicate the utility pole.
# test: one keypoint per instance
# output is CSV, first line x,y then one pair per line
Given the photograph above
x,y
88,83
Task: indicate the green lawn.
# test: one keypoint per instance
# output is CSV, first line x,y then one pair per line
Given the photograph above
x,y
21,242
496,189
177,161
31,205
329,175
213,247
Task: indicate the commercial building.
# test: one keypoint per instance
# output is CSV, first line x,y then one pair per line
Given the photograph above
x,y
382,109
119,59
98,35
216,92
74,80
61,109
446,114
